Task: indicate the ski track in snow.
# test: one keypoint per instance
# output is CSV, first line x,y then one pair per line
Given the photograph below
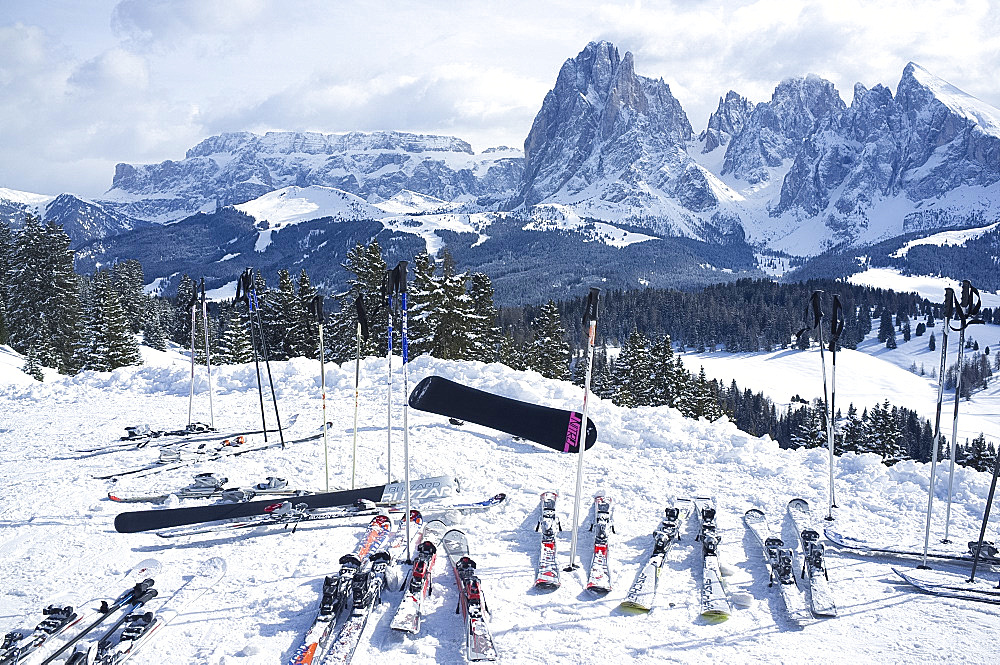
x,y
56,532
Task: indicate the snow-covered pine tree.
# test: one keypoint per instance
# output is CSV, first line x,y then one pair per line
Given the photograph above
x,y
31,366
633,373
549,353
365,262
115,336
452,339
235,346
181,333
153,331
884,434
853,431
43,306
885,327
663,375
484,335
308,337
425,299
811,433
6,253
127,278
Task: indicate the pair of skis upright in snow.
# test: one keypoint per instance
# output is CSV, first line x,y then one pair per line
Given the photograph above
x,y
814,597
547,573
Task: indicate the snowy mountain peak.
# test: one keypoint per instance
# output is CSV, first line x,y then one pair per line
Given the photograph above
x,y
290,205
919,87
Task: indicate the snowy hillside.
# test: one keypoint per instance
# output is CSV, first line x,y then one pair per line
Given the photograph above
x,y
57,533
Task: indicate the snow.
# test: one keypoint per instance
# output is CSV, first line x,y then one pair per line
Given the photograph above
x,y
946,239
58,535
37,201
406,202
962,103
926,286
291,205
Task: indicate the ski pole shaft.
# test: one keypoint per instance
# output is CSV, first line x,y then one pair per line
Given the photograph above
x,y
322,388
191,394
388,393
590,317
357,382
948,306
986,518
954,433
208,356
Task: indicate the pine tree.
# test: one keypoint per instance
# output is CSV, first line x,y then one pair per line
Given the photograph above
x,y
931,343
365,262
6,254
811,432
31,366
128,281
549,353
306,342
114,344
43,307
181,334
633,372
663,376
885,327
425,299
235,346
853,431
153,331
484,335
454,319
885,434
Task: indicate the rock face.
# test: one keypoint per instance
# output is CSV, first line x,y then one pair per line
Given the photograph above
x,y
727,121
773,131
612,138
234,168
920,146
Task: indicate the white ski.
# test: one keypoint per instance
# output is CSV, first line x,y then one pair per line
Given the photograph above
x,y
642,594
778,559
599,579
715,606
814,560
548,566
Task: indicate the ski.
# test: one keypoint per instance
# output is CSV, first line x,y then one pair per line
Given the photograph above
x,y
780,567
599,579
471,603
286,514
139,629
988,555
171,459
125,604
337,590
152,520
642,594
548,525
951,586
61,619
715,606
554,428
366,591
814,560
210,486
419,583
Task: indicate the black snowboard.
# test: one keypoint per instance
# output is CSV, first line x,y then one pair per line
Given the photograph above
x,y
553,428
150,520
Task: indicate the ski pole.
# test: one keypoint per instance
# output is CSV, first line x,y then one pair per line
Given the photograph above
x,y
400,280
316,309
243,295
359,305
388,287
967,311
267,359
208,356
836,328
986,518
949,304
192,306
590,320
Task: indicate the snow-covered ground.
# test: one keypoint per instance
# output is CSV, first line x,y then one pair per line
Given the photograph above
x,y
56,528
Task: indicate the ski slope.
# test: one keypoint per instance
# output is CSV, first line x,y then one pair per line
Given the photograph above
x,y
56,531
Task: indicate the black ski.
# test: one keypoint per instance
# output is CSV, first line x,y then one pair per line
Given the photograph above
x,y
558,429
152,520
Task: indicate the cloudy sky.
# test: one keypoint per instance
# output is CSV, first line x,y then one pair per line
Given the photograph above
x,y
85,84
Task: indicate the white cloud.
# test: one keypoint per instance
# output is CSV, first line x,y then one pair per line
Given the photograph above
x,y
143,80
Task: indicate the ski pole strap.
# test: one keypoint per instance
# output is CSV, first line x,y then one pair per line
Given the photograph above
x,y
968,309
316,308
836,323
243,287
590,311
400,277
817,314
949,303
359,305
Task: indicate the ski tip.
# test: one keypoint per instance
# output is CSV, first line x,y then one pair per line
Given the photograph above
x,y
714,616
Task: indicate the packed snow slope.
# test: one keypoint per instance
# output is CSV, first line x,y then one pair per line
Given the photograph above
x,y
57,533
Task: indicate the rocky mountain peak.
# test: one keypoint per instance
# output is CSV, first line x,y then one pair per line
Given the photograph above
x,y
727,121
